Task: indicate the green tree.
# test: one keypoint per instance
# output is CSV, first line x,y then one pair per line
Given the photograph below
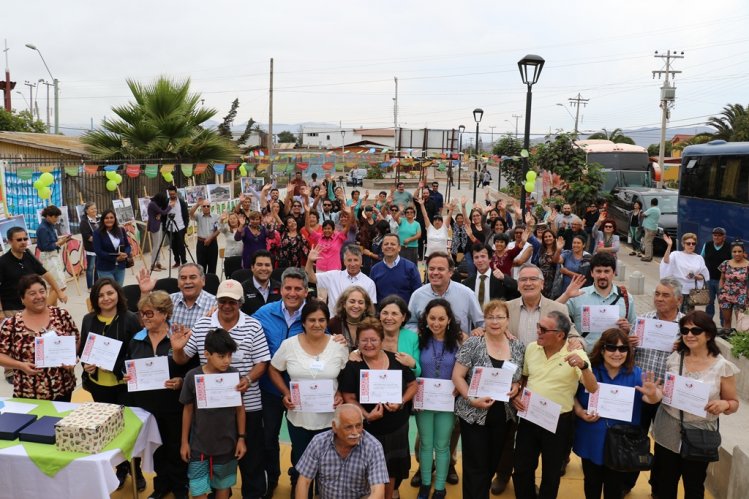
x,y
654,149
224,129
511,169
164,121
249,129
286,137
732,125
22,121
617,136
582,180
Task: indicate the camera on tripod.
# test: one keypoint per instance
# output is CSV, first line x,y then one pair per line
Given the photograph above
x,y
171,216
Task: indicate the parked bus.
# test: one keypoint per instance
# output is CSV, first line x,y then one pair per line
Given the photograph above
x,y
624,165
714,190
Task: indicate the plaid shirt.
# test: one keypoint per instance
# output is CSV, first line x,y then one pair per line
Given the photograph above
x,y
344,478
189,316
649,359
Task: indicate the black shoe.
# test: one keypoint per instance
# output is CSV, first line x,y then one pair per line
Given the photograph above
x,y
121,476
452,476
158,494
416,480
498,486
564,467
439,494
424,492
181,495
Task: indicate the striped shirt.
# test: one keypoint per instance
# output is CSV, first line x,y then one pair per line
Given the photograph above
x,y
252,350
189,316
649,359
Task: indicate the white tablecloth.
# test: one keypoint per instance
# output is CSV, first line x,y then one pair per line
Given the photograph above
x,y
84,478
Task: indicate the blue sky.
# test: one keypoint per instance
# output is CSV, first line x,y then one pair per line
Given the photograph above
x,y
335,61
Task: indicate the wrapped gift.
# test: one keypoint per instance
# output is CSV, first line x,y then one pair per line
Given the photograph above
x,y
11,423
89,428
40,431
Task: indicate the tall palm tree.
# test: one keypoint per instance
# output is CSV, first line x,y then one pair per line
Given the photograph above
x,y
164,121
732,125
617,136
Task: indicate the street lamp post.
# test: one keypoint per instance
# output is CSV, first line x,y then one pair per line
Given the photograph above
x,y
461,129
56,84
530,68
478,113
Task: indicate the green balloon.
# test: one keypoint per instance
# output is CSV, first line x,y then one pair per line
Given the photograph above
x,y
529,186
531,176
46,179
169,177
38,184
45,192
111,185
524,153
110,175
242,170
117,178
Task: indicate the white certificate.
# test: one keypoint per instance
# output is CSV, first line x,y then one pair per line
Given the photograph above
x,y
599,318
656,335
686,394
147,374
54,351
434,395
312,395
101,351
491,382
613,402
213,391
540,410
378,386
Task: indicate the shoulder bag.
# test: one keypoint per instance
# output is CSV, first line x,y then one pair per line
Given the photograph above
x,y
699,296
698,444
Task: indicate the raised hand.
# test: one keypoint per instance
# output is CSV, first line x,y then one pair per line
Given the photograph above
x,y
179,337
574,288
650,385
560,242
146,281
574,360
314,254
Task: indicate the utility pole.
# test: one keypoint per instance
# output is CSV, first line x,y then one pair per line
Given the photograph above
x,y
575,102
517,117
492,143
668,96
31,96
270,123
48,84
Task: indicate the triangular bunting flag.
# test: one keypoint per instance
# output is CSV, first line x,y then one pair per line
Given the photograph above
x,y
111,168
219,168
47,169
200,168
302,166
132,171
91,169
186,169
72,171
25,173
232,166
167,168
152,171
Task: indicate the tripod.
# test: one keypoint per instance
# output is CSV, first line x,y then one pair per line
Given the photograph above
x,y
170,229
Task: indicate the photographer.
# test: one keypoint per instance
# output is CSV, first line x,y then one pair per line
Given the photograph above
x,y
175,223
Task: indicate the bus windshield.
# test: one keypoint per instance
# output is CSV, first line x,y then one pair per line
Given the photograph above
x,y
620,160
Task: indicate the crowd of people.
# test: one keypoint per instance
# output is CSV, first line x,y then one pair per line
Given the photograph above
x,y
498,290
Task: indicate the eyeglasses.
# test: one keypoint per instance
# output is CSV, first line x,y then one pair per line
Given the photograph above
x,y
226,301
694,331
690,243
616,348
608,226
495,317
147,313
544,330
528,279
18,240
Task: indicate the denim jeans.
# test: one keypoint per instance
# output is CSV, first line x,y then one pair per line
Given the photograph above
x,y
713,286
117,274
91,273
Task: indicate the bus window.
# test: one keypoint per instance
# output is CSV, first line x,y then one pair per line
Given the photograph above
x,y
720,178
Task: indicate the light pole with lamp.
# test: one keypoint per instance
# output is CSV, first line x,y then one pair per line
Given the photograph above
x,y
461,129
478,113
56,84
530,68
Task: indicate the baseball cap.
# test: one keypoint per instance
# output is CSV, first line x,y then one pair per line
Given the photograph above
x,y
230,289
719,230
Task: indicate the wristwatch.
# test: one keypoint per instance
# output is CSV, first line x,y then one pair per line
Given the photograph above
x,y
242,435
584,366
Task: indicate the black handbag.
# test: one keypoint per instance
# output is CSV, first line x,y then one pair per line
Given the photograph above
x,y
698,444
627,449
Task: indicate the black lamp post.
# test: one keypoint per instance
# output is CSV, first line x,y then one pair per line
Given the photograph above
x,y
478,113
461,129
530,68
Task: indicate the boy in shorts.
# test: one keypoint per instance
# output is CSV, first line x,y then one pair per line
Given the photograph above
x,y
212,439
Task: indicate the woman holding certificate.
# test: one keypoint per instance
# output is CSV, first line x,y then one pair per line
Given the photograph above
x,y
154,382
42,369
352,307
439,340
484,420
312,360
686,407
382,387
613,363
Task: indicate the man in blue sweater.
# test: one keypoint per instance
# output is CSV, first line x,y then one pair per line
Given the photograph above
x,y
394,275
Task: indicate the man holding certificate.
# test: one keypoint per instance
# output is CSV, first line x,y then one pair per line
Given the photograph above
x,y
601,306
551,374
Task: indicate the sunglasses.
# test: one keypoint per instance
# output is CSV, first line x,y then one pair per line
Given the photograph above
x,y
608,226
544,330
616,348
694,331
18,240
690,243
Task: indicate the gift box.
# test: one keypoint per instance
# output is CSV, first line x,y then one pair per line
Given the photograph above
x,y
89,428
41,431
12,423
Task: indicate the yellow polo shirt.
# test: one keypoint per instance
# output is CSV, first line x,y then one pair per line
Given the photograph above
x,y
552,378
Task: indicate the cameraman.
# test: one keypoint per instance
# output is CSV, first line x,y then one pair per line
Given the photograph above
x,y
176,224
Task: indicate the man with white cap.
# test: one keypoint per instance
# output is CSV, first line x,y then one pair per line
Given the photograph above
x,y
251,360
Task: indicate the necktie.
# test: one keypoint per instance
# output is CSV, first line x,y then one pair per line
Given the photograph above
x,y
481,290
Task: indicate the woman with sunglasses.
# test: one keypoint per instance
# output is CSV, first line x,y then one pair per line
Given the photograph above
x,y
612,362
607,240
697,357
687,266
734,283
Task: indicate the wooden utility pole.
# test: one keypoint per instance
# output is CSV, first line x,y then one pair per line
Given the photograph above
x,y
270,124
668,96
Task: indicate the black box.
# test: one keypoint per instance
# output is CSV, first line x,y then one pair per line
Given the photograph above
x,y
12,423
42,431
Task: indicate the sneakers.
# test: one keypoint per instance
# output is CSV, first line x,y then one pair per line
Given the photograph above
x,y
646,259
632,253
424,492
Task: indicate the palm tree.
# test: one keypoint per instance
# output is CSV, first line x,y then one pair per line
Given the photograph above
x,y
617,136
732,125
165,121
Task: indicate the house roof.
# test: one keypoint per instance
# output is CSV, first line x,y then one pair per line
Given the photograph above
x,y
375,132
61,144
680,137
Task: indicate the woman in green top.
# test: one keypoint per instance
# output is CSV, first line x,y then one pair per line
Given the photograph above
x,y
409,232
